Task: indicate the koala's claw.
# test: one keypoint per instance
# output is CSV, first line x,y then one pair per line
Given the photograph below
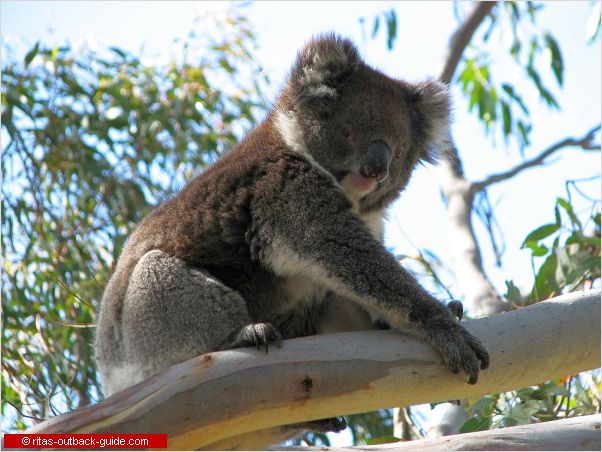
x,y
258,334
461,350
456,308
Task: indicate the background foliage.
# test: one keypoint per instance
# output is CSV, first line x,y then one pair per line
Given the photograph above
x,y
95,138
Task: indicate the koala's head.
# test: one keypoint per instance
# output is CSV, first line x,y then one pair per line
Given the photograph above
x,y
366,129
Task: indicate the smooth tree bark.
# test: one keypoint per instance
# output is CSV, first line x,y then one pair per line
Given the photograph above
x,y
575,433
232,398
480,296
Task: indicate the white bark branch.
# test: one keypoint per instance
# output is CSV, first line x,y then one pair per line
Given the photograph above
x,y
586,142
576,433
462,37
216,398
480,296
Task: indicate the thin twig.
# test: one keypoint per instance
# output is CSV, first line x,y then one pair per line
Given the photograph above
x,y
425,263
586,143
573,183
72,325
23,414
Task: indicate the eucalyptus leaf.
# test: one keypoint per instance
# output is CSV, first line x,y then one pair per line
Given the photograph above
x,y
541,233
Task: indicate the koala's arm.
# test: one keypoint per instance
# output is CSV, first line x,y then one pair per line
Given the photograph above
x,y
305,225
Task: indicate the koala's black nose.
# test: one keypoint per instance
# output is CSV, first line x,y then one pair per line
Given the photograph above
x,y
376,162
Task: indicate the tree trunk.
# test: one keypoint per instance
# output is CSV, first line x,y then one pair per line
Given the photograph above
x,y
222,395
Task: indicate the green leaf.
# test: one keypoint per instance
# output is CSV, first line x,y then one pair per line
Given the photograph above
x,y
519,414
506,118
32,54
382,440
118,51
523,131
513,293
593,241
475,424
582,266
557,62
484,406
376,26
531,10
508,421
538,250
515,48
510,91
533,50
565,265
391,28
514,9
543,91
569,210
545,280
465,77
541,233
475,96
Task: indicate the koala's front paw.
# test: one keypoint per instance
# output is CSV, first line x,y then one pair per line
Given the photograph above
x,y
461,350
257,334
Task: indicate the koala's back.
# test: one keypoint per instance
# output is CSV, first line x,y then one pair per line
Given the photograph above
x,y
192,265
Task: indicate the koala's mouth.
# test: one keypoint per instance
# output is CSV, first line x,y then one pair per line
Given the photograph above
x,y
356,184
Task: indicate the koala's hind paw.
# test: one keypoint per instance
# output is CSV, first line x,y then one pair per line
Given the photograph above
x,y
257,334
333,424
461,350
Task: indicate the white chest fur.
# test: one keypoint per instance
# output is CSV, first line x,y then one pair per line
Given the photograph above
x,y
375,222
302,290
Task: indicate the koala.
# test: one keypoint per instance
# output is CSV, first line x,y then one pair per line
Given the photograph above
x,y
282,236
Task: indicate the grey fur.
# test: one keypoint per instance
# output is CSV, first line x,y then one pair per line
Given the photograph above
x,y
279,236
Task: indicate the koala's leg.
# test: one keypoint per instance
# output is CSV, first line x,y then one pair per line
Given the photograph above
x,y
173,312
333,314
340,314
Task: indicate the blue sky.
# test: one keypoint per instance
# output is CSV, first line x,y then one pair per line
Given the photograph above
x,y
424,30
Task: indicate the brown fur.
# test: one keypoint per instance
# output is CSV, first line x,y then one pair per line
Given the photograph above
x,y
279,231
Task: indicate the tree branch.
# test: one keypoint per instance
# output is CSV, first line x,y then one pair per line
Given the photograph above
x,y
462,37
219,397
481,297
457,44
575,433
586,143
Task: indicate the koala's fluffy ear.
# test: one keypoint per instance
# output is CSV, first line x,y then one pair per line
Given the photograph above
x,y
321,66
431,102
